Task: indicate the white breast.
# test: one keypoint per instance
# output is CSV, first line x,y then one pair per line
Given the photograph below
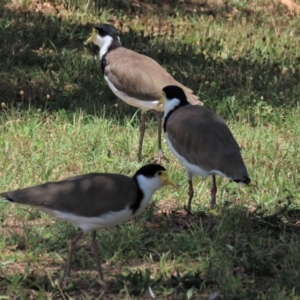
x,y
144,105
92,223
191,168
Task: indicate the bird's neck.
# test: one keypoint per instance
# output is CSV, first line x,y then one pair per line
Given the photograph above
x,y
108,44
169,108
146,189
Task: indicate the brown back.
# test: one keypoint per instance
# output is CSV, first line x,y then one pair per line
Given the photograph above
x,y
204,139
133,72
86,195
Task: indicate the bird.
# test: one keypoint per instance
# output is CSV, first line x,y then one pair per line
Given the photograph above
x,y
201,141
94,201
134,78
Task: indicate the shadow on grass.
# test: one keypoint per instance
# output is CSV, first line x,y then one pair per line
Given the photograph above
x,y
221,9
218,9
257,253
243,245
45,65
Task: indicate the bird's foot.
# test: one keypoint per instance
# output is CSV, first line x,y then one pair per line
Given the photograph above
x,y
160,157
188,212
210,221
184,223
102,283
66,283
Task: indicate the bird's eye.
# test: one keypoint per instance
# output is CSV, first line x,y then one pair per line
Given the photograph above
x,y
159,173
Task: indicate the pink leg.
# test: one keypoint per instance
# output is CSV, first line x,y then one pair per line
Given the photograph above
x,y
142,133
95,252
160,154
191,195
213,193
72,247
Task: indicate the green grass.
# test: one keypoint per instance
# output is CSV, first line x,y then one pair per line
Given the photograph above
x,y
58,118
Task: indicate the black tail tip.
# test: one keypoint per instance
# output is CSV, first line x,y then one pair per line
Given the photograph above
x,y
5,196
246,180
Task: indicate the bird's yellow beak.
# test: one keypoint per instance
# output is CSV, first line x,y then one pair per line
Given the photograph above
x,y
161,100
92,38
165,179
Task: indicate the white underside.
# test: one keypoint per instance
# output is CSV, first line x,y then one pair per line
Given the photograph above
x,y
92,223
112,218
191,168
143,104
148,185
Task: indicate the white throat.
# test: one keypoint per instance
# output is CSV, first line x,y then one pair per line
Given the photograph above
x,y
170,104
103,43
149,186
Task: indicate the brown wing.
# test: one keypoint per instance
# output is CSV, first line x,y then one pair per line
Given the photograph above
x,y
203,139
86,195
133,72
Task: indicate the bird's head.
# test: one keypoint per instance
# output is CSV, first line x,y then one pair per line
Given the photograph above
x,y
104,36
172,96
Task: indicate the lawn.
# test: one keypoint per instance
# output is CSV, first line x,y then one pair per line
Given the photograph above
x,y
59,118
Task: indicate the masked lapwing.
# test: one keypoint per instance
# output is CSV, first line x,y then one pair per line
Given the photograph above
x,y
201,141
134,78
94,201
